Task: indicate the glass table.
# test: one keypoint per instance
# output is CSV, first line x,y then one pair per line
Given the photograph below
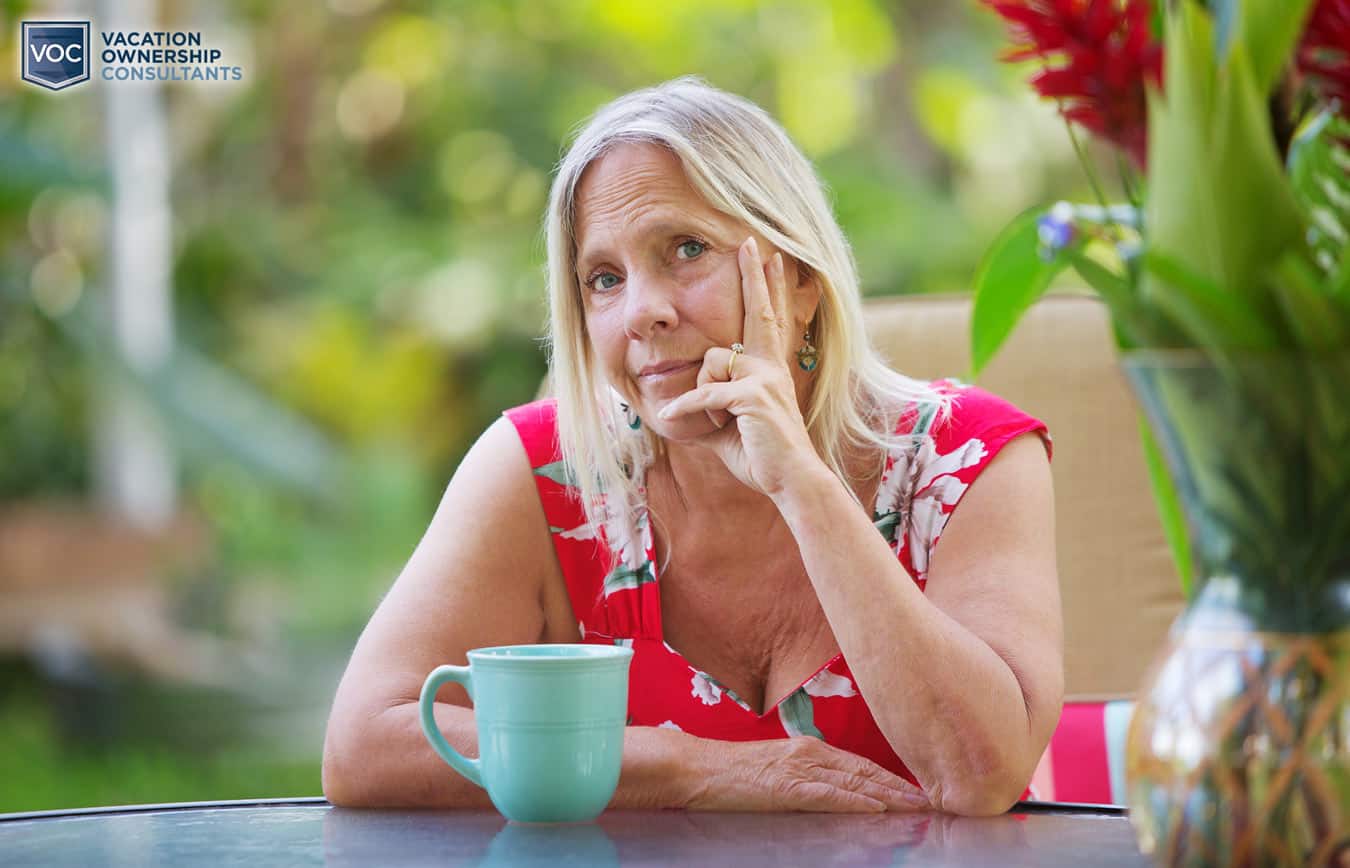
x,y
312,832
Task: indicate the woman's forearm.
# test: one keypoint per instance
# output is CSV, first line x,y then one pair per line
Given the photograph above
x,y
385,761
390,764
948,704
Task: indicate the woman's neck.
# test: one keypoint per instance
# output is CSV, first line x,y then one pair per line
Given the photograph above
x,y
694,479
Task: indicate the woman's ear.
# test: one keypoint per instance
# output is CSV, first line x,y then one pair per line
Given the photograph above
x,y
806,291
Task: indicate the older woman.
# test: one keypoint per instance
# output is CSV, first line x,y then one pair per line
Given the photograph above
x,y
733,483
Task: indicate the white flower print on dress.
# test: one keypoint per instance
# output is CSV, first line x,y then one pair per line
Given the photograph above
x,y
620,534
827,683
581,532
629,539
917,487
705,689
892,482
936,489
709,690
670,724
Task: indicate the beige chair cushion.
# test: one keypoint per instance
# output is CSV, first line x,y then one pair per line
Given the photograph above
x,y
1120,589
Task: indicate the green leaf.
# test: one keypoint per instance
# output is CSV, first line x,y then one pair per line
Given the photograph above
x,y
798,715
1315,319
1269,31
1319,170
1115,291
625,578
558,471
1012,276
1219,202
1215,320
1169,506
887,524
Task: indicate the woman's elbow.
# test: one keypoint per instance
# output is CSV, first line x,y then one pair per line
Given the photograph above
x,y
996,771
347,775
990,784
336,788
341,783
980,799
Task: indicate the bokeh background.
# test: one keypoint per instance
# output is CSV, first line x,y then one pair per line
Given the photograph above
x,y
248,329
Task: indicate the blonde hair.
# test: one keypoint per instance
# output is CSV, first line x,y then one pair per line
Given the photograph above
x,y
743,163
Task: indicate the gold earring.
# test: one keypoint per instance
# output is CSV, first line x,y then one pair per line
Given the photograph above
x,y
807,356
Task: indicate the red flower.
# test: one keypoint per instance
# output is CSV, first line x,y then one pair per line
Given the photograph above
x,y
1097,55
1324,54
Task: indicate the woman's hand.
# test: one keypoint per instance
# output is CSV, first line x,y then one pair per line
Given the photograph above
x,y
801,773
768,443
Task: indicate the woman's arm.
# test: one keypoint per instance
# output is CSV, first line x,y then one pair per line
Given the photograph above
x,y
485,574
396,767
965,679
662,768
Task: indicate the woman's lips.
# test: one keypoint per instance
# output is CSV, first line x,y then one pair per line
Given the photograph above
x,y
671,382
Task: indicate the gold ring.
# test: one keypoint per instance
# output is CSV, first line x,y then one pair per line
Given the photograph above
x,y
736,349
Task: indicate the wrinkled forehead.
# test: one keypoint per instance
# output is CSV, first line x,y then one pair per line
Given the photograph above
x,y
625,168
633,185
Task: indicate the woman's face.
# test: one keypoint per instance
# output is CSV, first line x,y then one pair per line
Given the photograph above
x,y
659,279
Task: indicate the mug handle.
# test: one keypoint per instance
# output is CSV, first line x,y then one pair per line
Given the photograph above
x,y
469,768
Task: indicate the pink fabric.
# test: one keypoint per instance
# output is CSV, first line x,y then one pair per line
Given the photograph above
x,y
1081,768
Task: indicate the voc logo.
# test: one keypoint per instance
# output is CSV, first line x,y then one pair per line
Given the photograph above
x,y
55,53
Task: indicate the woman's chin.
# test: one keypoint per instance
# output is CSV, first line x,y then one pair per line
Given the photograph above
x,y
689,427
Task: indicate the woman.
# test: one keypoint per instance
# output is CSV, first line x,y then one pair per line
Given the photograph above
x,y
708,486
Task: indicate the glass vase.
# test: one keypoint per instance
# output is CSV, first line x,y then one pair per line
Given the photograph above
x,y
1239,749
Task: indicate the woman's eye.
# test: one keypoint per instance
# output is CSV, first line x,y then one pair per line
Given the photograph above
x,y
599,281
698,246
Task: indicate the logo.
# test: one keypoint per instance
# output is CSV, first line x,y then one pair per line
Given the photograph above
x,y
55,53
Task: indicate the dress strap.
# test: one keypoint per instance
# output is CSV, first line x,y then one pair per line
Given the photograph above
x,y
580,550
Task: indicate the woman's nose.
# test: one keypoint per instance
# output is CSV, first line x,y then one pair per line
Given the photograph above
x,y
648,304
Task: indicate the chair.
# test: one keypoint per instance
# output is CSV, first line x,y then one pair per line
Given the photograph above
x,y
1119,586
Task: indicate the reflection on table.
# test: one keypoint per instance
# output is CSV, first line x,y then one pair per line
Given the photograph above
x,y
318,834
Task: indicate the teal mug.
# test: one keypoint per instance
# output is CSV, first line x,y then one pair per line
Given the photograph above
x,y
550,727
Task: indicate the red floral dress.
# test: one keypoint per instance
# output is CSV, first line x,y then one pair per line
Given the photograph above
x,y
613,580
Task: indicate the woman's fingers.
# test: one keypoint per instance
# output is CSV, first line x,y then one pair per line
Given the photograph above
x,y
805,774
894,799
762,330
873,772
845,768
713,396
913,797
823,796
716,363
777,280
709,373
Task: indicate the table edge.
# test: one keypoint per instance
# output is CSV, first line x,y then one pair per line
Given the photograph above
x,y
294,801
1028,807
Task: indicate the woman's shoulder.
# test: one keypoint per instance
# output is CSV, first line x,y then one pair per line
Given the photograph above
x,y
541,412
537,425
972,413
